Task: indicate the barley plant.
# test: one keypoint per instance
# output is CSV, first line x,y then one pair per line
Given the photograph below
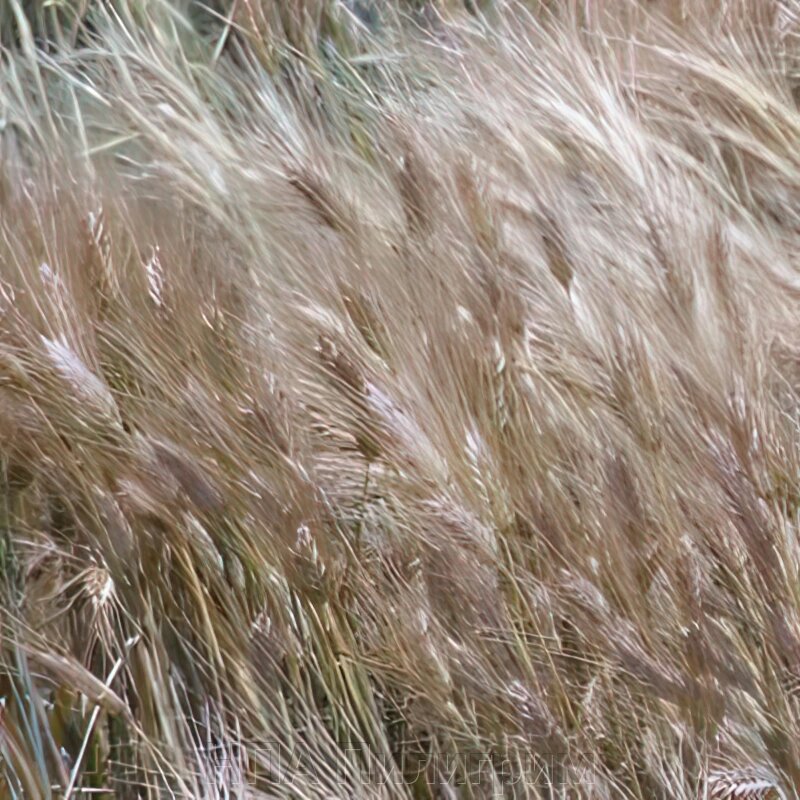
x,y
400,399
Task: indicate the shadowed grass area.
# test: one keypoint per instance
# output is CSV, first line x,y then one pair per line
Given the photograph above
x,y
399,399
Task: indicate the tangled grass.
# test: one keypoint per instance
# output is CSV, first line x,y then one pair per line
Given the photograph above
x,y
400,400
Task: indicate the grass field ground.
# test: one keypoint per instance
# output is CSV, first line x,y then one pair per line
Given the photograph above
x,y
400,400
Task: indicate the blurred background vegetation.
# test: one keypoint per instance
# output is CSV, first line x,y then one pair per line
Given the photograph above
x,y
300,23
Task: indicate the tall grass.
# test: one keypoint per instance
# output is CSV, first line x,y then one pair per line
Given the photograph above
x,y
400,400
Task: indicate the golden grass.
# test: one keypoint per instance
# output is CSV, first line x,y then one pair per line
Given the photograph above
x,y
400,402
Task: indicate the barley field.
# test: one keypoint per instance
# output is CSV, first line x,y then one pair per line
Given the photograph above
x,y
400,399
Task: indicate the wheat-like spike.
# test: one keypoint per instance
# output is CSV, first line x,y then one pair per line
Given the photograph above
x,y
743,784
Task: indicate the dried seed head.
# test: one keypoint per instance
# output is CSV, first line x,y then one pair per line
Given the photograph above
x,y
340,364
83,381
752,784
189,474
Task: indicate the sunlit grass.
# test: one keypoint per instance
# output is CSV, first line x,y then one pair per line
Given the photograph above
x,y
399,399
